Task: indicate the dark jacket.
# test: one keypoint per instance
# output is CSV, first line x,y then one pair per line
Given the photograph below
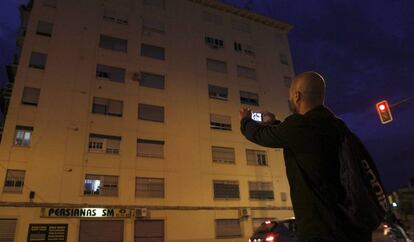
x,y
310,144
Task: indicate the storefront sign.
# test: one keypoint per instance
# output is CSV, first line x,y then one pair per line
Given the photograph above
x,y
85,213
47,232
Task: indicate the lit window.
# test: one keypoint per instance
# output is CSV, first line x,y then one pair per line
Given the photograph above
x,y
100,185
23,135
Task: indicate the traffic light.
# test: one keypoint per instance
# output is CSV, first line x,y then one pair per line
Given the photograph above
x,y
384,112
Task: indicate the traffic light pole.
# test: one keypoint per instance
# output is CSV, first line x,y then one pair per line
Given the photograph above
x,y
402,101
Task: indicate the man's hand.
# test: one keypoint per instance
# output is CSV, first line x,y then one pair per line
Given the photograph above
x,y
245,112
268,118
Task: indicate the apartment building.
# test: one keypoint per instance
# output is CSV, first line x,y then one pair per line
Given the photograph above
x,y
123,123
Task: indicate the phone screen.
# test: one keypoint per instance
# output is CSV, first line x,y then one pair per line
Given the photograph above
x,y
257,117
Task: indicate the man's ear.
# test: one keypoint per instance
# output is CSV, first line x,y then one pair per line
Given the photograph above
x,y
297,97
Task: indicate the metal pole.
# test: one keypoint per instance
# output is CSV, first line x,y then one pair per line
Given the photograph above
x,y
402,101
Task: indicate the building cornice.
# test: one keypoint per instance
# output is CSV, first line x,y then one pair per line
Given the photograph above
x,y
216,4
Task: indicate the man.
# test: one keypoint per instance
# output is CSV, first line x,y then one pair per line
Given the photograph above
x,y
310,138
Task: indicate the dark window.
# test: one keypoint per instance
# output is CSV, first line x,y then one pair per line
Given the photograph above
x,y
44,28
38,60
14,181
223,155
149,231
107,106
228,228
226,189
216,65
150,112
220,122
152,80
149,187
261,190
217,92
246,72
109,72
112,43
30,96
150,148
153,51
249,98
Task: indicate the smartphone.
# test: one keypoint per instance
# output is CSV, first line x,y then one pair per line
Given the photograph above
x,y
257,116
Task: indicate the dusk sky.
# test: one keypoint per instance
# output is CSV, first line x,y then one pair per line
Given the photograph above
x,y
364,49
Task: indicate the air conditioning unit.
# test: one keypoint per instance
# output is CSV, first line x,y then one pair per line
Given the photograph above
x,y
245,212
136,76
141,212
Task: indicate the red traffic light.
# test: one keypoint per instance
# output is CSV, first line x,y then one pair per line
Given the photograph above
x,y
384,112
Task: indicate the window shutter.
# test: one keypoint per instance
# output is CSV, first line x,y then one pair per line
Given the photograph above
x,y
151,112
223,154
31,95
101,230
228,228
7,229
216,65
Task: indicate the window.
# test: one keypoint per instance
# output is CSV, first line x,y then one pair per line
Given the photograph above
x,y
238,47
284,59
150,148
283,196
100,185
30,96
153,26
246,49
101,230
23,135
152,51
226,189
14,181
99,143
50,3
149,187
223,155
149,231
256,157
216,65
214,43
111,73
212,18
246,72
249,98
261,190
240,26
116,14
152,80
38,60
7,229
44,28
217,92
228,228
112,43
288,81
155,3
150,112
220,122
107,106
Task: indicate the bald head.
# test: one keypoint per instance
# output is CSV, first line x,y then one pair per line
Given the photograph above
x,y
307,91
312,87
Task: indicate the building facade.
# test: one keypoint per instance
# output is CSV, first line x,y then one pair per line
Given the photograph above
x,y
123,122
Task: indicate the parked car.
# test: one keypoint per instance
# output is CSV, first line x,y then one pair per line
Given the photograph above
x,y
275,231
